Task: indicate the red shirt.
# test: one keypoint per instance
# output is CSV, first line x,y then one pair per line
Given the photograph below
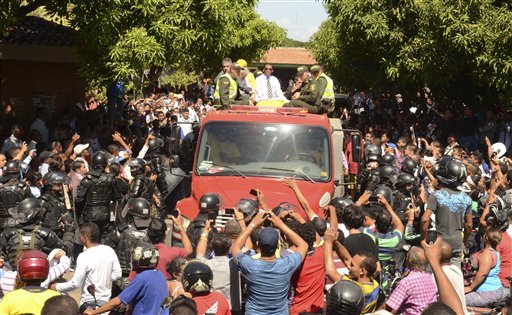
x,y
309,282
212,303
505,250
167,254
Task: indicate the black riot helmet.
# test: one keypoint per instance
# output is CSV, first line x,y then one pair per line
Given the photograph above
x,y
99,161
247,206
197,277
409,166
499,212
384,191
344,298
12,168
155,144
137,166
404,179
450,171
56,178
372,149
139,209
386,171
144,256
373,158
157,163
387,159
209,202
340,202
27,211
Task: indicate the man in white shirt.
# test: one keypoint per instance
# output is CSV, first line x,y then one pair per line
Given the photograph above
x,y
14,141
40,125
97,265
185,122
268,86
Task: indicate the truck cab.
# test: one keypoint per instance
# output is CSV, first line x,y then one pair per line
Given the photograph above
x,y
248,147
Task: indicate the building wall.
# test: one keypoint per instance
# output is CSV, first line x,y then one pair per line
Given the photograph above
x,y
27,85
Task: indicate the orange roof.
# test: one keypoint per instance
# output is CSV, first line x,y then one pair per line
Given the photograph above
x,y
288,56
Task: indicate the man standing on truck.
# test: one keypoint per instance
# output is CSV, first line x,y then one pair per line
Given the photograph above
x,y
226,91
325,89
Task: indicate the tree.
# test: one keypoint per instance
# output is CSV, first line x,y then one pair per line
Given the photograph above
x,y
460,48
119,39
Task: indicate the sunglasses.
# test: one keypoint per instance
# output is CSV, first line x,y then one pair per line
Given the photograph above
x,y
268,69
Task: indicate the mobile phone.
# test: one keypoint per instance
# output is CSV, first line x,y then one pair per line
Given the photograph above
x,y
175,213
431,236
253,192
374,199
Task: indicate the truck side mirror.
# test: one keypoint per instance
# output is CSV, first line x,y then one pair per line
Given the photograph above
x,y
356,148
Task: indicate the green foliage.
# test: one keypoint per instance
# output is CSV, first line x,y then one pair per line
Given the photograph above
x,y
119,39
460,48
177,79
288,42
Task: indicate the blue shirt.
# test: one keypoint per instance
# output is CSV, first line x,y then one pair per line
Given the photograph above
x,y
268,283
146,292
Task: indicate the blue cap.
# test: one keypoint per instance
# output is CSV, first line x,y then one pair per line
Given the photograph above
x,y
268,238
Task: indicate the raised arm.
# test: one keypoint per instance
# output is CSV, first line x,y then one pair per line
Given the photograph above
x,y
291,236
394,217
201,245
330,237
185,240
290,182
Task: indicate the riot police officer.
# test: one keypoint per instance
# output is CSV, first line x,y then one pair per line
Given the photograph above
x,y
56,214
12,191
133,230
27,233
96,192
209,206
141,186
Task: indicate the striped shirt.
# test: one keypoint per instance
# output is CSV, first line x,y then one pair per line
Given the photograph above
x,y
387,242
370,293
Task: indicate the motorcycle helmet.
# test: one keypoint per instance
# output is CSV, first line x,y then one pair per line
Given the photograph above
x,y
99,161
33,265
372,149
498,214
344,298
197,277
144,256
384,191
450,171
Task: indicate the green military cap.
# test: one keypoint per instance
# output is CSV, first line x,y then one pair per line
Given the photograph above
x,y
315,68
302,69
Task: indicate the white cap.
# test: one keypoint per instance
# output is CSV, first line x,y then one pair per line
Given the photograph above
x,y
80,147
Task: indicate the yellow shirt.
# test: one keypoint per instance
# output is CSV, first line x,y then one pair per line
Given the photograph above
x,y
371,294
23,301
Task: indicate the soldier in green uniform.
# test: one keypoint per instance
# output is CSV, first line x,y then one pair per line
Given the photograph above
x,y
308,94
324,88
226,90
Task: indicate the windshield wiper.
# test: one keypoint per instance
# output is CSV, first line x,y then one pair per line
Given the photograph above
x,y
291,171
229,168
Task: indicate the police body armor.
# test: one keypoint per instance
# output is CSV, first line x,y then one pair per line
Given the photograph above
x,y
12,192
54,208
98,198
123,240
142,187
13,240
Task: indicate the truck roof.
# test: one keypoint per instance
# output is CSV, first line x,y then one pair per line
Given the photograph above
x,y
267,114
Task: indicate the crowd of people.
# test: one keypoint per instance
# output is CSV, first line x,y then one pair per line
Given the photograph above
x,y
424,226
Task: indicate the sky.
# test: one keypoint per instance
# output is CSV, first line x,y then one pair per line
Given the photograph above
x,y
300,18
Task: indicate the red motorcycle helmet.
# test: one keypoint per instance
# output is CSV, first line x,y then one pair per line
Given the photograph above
x,y
33,265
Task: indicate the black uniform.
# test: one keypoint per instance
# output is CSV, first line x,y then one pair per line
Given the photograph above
x,y
12,191
12,240
94,195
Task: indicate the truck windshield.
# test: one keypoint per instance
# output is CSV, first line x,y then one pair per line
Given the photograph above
x,y
264,149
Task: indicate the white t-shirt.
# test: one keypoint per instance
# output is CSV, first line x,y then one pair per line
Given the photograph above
x,y
454,274
98,265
